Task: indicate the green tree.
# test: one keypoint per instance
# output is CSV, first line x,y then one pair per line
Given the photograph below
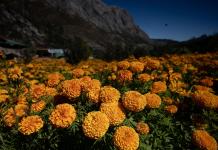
x,y
77,50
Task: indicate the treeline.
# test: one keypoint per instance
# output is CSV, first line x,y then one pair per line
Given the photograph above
x,y
77,49
202,44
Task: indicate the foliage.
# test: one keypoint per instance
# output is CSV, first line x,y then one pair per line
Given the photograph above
x,y
168,130
77,50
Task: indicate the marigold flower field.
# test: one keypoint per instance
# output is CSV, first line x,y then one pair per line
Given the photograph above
x,y
149,103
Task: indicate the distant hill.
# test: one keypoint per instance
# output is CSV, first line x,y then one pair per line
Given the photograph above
x,y
202,44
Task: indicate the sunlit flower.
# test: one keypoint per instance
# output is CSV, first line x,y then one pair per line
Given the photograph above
x,y
204,140
93,95
21,109
94,84
30,66
144,77
3,78
142,128
167,100
124,76
126,138
30,124
71,88
109,94
153,64
134,101
114,112
63,115
158,87
163,76
3,95
38,106
50,91
172,109
114,68
84,81
205,99
78,72
123,65
3,98
95,125
54,79
207,82
137,66
15,73
201,88
175,76
10,117
37,91
153,100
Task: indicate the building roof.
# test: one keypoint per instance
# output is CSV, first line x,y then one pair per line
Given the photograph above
x,y
7,43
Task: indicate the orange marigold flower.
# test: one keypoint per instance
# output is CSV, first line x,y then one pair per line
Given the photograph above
x,y
205,99
10,117
15,73
144,77
158,87
38,106
204,140
37,91
153,100
123,65
167,100
134,101
93,95
3,78
114,112
207,82
109,94
124,76
84,81
142,128
175,76
172,109
163,76
78,72
54,79
3,98
201,88
30,124
22,99
92,85
21,109
153,64
114,68
63,115
30,66
50,91
33,82
2,92
137,66
95,125
71,88
126,138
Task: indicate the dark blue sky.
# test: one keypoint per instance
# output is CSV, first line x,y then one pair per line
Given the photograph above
x,y
185,18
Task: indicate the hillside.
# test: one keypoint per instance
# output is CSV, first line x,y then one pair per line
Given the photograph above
x,y
56,23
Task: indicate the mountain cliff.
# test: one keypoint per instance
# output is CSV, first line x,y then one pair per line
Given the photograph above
x,y
56,23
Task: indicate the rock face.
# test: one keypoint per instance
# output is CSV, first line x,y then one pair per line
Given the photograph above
x,y
57,22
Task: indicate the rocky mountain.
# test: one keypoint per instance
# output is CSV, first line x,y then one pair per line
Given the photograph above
x,y
56,23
